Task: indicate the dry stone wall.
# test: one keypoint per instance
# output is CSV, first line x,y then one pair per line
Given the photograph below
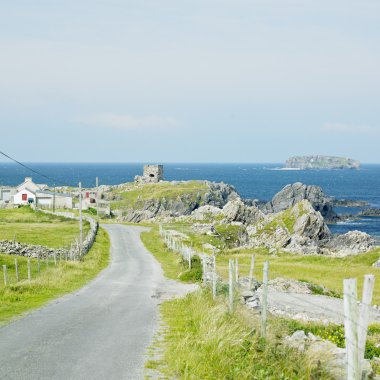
x,y
72,253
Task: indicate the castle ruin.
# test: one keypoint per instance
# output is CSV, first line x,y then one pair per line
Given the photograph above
x,y
152,174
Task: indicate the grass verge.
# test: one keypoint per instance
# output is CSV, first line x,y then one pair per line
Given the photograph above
x,y
23,296
203,341
173,265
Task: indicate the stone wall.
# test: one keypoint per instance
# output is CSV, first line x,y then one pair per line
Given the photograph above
x,y
72,253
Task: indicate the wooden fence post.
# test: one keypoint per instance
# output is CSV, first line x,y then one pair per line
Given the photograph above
x,y
369,282
29,272
5,275
55,258
264,301
251,269
38,264
231,284
351,328
16,270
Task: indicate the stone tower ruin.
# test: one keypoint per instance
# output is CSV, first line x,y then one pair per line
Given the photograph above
x,y
152,174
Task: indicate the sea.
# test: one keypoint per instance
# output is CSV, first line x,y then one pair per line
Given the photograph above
x,y
255,181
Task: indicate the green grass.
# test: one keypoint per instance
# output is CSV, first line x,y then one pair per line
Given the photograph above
x,y
203,341
173,265
135,196
28,226
320,270
19,298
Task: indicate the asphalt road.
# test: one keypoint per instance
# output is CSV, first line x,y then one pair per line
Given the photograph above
x,y
99,332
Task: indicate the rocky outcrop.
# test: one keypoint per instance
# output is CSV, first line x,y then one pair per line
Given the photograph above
x,y
302,229
352,242
292,194
237,211
217,195
206,212
370,212
321,162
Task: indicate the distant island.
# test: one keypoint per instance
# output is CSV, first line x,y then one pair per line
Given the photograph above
x,y
320,162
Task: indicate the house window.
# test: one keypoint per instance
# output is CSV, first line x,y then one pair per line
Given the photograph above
x,y
24,197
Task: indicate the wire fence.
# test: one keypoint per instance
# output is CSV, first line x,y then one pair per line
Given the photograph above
x,y
356,314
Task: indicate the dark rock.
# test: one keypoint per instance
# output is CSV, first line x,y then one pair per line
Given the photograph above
x,y
370,212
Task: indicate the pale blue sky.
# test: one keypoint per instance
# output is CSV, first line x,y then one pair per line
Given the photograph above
x,y
189,81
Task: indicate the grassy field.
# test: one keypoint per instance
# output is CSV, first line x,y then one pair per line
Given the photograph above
x,y
136,195
28,226
18,298
203,341
320,270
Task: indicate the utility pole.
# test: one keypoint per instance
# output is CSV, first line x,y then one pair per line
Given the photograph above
x,y
97,198
80,220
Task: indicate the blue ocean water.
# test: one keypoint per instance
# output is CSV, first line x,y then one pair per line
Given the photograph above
x,y
259,181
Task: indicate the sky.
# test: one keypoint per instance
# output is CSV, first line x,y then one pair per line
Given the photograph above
x,y
189,81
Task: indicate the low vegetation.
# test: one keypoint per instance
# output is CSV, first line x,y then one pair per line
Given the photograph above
x,y
135,195
53,281
173,265
328,272
202,340
33,227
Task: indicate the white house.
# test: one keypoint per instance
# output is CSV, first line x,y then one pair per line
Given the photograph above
x,y
24,197
31,193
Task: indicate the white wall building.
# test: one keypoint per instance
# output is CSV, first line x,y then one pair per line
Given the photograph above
x,y
31,193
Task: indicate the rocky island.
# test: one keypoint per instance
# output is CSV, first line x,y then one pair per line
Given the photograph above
x,y
321,162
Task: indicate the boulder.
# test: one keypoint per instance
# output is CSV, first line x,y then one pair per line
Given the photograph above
x,y
292,194
206,212
352,242
236,211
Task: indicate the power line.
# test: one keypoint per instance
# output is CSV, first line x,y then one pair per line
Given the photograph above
x,y
30,169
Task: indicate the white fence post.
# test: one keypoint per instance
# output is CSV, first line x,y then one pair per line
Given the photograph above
x,y
38,264
213,277
369,282
29,272
236,270
5,275
231,284
204,270
351,328
16,270
251,269
264,301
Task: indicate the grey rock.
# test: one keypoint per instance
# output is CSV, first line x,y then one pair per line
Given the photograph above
x,y
236,211
352,242
321,162
292,194
218,195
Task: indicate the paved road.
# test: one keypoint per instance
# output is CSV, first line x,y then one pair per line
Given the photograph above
x,y
311,307
98,332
